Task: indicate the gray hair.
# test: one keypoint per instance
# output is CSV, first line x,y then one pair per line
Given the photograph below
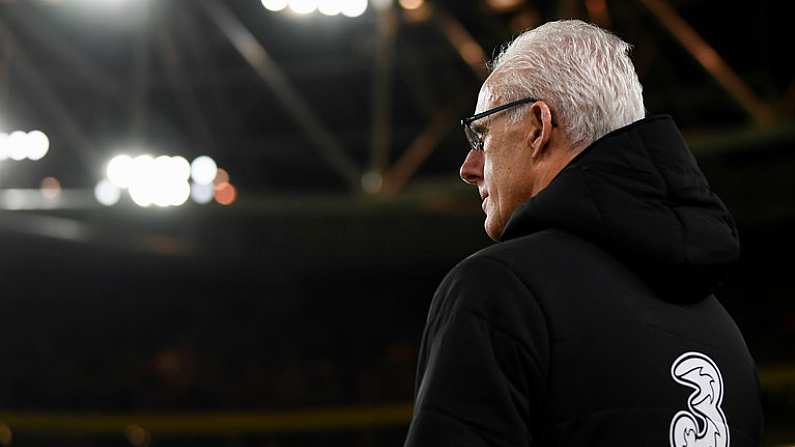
x,y
581,71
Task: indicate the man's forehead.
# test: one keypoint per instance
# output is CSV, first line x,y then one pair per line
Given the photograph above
x,y
485,98
488,97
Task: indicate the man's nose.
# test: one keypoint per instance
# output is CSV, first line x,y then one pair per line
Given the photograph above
x,y
472,168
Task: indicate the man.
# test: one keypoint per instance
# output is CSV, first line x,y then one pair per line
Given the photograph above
x,y
592,321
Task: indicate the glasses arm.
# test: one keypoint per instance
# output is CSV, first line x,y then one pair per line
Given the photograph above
x,y
477,116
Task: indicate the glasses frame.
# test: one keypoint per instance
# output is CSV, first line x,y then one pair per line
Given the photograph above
x,y
474,138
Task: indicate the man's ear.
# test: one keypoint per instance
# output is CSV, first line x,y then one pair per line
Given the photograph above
x,y
540,132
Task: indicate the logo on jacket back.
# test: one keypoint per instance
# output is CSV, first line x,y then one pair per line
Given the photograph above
x,y
704,425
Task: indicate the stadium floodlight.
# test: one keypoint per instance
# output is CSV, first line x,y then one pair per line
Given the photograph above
x,y
162,181
178,192
302,6
353,8
169,185
329,7
226,194
203,170
221,177
142,189
274,5
181,167
107,193
349,8
50,189
17,145
120,170
164,168
202,194
37,145
411,4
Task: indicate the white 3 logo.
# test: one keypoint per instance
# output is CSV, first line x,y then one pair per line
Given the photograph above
x,y
705,424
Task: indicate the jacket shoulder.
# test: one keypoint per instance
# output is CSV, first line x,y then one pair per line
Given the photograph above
x,y
478,281
539,245
491,289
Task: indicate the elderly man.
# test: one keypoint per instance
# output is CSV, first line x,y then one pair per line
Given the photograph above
x,y
592,321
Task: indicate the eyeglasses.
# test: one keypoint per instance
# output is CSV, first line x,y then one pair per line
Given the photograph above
x,y
473,137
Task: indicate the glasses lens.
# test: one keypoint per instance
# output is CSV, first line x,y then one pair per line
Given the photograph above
x,y
472,137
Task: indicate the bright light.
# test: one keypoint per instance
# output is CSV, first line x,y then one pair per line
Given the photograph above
x,y
221,177
411,4
161,181
163,166
107,193
4,147
302,6
274,5
202,194
50,188
141,195
226,194
20,145
17,145
171,180
353,8
169,185
142,165
163,169
142,190
181,168
120,170
203,170
329,7
161,196
38,144
372,181
418,15
350,8
179,193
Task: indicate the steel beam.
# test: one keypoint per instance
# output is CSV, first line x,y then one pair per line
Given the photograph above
x,y
467,47
419,150
139,101
267,69
170,57
712,62
386,31
59,111
187,31
65,53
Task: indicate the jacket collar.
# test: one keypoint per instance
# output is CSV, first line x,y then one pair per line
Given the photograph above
x,y
639,193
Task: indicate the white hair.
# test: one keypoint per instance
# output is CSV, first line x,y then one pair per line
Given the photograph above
x,y
581,71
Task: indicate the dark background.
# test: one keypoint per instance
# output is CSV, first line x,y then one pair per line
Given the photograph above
x,y
310,291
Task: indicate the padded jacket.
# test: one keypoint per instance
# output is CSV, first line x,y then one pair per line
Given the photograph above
x,y
593,321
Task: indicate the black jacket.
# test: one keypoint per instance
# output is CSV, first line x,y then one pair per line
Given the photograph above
x,y
592,323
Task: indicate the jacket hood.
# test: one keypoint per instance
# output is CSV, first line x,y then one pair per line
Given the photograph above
x,y
638,192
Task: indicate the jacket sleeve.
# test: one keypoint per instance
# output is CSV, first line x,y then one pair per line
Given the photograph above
x,y
482,363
